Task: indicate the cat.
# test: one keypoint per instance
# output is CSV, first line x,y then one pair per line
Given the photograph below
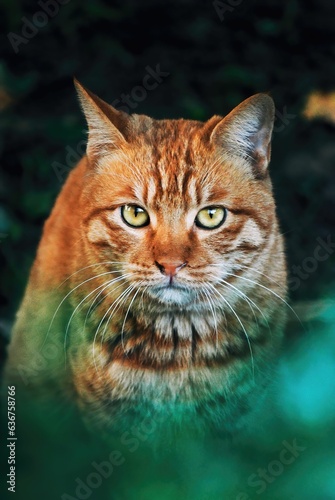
x,y
158,289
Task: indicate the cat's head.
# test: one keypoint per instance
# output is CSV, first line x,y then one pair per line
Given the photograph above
x,y
178,205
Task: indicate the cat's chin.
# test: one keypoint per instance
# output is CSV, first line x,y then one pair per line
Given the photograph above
x,y
172,295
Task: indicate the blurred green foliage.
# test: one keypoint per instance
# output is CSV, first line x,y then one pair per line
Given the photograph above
x,y
286,48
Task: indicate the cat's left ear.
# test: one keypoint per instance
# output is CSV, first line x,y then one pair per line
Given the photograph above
x,y
246,132
106,125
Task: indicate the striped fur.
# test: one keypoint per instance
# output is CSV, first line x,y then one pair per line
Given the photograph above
x,y
202,349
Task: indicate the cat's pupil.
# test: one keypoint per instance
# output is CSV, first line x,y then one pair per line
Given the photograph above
x,y
134,216
210,217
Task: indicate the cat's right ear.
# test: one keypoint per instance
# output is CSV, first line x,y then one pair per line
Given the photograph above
x,y
246,132
106,125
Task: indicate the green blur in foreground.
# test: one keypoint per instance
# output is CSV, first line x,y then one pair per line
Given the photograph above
x,y
289,457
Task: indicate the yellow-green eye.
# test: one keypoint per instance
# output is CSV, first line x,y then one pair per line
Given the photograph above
x,y
211,217
135,216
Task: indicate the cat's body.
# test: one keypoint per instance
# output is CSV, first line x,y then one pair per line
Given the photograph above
x,y
191,326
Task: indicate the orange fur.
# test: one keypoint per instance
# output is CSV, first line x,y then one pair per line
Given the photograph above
x,y
168,332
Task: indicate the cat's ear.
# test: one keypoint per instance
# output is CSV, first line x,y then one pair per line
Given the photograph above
x,y
246,132
106,125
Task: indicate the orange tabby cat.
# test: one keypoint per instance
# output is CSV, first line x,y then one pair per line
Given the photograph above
x,y
159,281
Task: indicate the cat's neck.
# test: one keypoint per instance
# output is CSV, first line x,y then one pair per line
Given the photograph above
x,y
180,324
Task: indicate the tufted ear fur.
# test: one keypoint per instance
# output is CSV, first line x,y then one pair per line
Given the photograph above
x,y
106,125
246,132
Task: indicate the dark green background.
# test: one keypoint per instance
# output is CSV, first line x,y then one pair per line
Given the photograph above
x,y
286,48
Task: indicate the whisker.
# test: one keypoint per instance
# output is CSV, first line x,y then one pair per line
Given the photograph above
x,y
112,306
87,267
117,304
248,268
83,300
240,322
122,298
271,291
255,271
210,302
67,295
125,318
247,299
124,276
144,290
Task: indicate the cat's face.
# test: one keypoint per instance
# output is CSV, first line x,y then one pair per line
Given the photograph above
x,y
179,205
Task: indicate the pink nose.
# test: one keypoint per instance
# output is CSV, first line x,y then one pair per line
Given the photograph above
x,y
170,268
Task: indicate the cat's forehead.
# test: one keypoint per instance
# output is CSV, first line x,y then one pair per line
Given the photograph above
x,y
171,164
173,155
167,139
